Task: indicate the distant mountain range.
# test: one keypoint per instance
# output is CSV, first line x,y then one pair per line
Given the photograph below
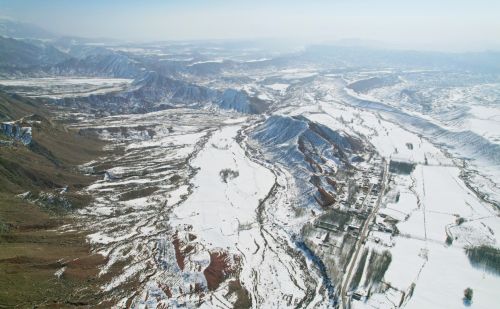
x,y
17,54
159,82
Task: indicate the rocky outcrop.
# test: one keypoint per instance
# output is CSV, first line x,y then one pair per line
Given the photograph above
x,y
314,152
237,100
101,64
153,91
14,131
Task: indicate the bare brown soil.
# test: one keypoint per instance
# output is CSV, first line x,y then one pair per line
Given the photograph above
x,y
179,256
32,249
243,299
220,268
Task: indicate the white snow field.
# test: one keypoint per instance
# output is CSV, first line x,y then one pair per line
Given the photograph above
x,y
65,87
226,216
431,200
221,207
203,195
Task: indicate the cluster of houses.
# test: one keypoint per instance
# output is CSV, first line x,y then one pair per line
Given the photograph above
x,y
356,197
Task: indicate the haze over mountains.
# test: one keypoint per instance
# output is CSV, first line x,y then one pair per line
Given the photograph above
x,y
447,25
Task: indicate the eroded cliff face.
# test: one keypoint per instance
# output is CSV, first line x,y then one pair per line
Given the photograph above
x,y
14,131
326,165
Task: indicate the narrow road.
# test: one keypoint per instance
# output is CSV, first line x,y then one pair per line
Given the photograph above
x,y
345,301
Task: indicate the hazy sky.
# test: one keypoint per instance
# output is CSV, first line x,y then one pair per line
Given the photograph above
x,y
418,24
